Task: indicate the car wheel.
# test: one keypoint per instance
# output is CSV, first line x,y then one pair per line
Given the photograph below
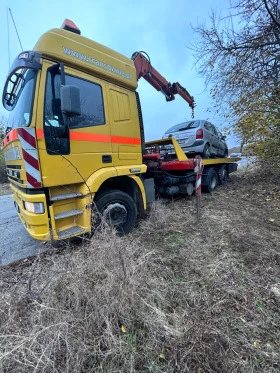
x,y
118,209
206,151
210,180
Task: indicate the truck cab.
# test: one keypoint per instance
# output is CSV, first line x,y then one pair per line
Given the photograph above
x,y
74,135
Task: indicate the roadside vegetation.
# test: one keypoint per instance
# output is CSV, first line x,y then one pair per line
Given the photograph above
x,y
176,295
238,55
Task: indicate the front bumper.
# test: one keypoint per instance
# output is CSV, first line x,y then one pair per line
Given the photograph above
x,y
37,225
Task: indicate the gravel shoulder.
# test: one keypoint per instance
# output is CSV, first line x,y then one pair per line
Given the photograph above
x,y
5,189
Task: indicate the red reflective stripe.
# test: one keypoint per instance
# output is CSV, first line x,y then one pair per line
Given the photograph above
x,y
32,181
198,171
40,133
94,137
27,137
126,140
31,160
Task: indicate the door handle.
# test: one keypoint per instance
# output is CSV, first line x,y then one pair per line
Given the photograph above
x,y
106,158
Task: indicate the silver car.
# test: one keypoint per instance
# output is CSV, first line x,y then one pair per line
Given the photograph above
x,y
199,137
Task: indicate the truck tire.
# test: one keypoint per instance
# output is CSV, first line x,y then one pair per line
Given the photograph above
x,y
223,174
210,180
118,209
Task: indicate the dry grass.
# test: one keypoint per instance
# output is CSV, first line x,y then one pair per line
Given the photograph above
x,y
174,296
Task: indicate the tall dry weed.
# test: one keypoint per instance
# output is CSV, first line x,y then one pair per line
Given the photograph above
x,y
174,296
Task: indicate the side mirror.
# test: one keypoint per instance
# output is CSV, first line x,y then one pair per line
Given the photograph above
x,y
70,100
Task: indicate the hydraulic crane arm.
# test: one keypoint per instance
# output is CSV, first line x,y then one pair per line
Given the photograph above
x,y
148,72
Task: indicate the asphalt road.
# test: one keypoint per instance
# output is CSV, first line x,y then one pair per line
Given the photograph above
x,y
15,242
246,161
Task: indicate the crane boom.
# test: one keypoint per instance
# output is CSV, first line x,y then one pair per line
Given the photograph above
x,y
150,74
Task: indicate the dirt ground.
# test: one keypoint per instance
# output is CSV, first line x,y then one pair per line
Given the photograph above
x,y
176,295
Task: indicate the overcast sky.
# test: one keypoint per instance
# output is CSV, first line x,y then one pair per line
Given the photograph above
x,y
162,28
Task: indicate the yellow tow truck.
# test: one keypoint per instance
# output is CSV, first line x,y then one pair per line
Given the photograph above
x,y
75,148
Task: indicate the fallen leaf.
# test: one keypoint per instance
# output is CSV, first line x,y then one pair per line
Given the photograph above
x,y
123,329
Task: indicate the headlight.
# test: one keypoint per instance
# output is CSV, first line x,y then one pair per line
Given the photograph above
x,y
34,207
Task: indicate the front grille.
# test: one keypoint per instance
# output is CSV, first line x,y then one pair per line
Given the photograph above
x,y
14,173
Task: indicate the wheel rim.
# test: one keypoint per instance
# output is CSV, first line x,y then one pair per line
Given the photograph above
x,y
213,182
116,214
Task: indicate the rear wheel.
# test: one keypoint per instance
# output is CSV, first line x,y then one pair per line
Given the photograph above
x,y
206,151
223,173
118,209
210,180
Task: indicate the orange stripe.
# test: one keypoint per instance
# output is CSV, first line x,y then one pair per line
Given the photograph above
x,y
40,133
95,137
126,140
11,136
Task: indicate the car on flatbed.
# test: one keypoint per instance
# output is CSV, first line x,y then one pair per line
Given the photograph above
x,y
199,137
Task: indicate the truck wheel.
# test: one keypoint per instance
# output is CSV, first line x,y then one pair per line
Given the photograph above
x,y
118,209
223,174
210,181
206,151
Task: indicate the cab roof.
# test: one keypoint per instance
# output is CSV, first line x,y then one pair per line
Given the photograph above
x,y
87,55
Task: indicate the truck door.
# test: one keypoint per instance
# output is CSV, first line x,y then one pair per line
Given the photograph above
x,y
71,153
125,126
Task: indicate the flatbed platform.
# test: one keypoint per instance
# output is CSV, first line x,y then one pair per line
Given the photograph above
x,y
182,162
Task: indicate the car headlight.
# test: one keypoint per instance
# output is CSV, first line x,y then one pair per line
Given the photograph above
x,y
34,207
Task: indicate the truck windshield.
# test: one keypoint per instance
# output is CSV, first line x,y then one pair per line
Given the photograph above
x,y
19,97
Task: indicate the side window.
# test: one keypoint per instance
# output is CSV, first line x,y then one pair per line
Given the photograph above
x,y
210,128
214,130
53,114
91,103
220,134
56,134
207,126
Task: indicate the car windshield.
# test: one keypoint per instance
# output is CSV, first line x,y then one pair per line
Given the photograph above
x,y
19,97
184,126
